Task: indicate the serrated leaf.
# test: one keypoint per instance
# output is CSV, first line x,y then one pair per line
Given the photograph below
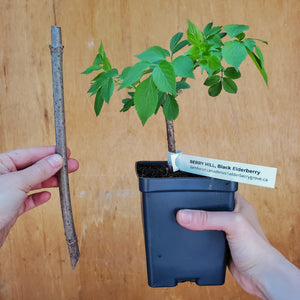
x,y
207,28
132,74
153,54
170,108
180,45
164,77
214,63
229,85
91,69
145,99
235,29
183,66
215,89
212,80
175,40
234,53
181,85
194,34
99,80
249,43
98,103
107,89
232,73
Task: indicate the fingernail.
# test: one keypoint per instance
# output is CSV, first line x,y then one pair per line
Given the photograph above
x,y
184,217
55,160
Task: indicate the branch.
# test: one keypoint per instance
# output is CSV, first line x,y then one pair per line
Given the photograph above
x,y
59,114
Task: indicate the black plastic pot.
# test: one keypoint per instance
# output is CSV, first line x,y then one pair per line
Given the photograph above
x,y
175,254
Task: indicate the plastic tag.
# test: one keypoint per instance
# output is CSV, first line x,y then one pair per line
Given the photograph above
x,y
226,170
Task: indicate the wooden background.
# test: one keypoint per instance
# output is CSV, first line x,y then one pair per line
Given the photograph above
x,y
259,125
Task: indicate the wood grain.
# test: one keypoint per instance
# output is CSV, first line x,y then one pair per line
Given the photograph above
x,y
259,125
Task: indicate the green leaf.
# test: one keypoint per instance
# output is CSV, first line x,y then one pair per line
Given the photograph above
x,y
214,30
194,52
107,89
260,56
234,53
249,43
229,85
232,73
153,54
265,42
180,45
175,40
194,34
181,85
101,50
161,97
164,77
95,86
215,89
257,62
234,29
98,60
207,28
222,34
241,36
98,103
214,63
212,80
170,108
128,103
215,42
183,66
91,69
99,80
145,99
133,74
106,64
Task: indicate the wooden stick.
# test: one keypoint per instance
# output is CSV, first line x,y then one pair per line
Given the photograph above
x,y
56,48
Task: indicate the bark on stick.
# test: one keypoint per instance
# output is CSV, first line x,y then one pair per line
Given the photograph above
x,y
170,136
56,48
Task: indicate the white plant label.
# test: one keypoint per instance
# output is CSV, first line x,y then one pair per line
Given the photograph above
x,y
222,169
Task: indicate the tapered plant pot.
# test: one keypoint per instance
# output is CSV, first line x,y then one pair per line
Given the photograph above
x,y
175,254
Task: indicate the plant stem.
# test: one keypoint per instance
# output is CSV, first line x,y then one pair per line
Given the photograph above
x,y
59,115
170,136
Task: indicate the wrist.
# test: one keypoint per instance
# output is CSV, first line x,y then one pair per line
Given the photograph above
x,y
278,279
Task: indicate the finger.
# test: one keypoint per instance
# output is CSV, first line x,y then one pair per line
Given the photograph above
x,y
35,200
204,220
37,173
52,181
23,158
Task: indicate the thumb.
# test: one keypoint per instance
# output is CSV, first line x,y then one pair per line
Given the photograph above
x,y
204,220
38,172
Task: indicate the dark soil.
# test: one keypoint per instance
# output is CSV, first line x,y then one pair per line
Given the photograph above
x,y
158,170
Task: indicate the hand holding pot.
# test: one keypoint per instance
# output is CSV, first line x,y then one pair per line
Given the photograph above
x,y
23,171
258,267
